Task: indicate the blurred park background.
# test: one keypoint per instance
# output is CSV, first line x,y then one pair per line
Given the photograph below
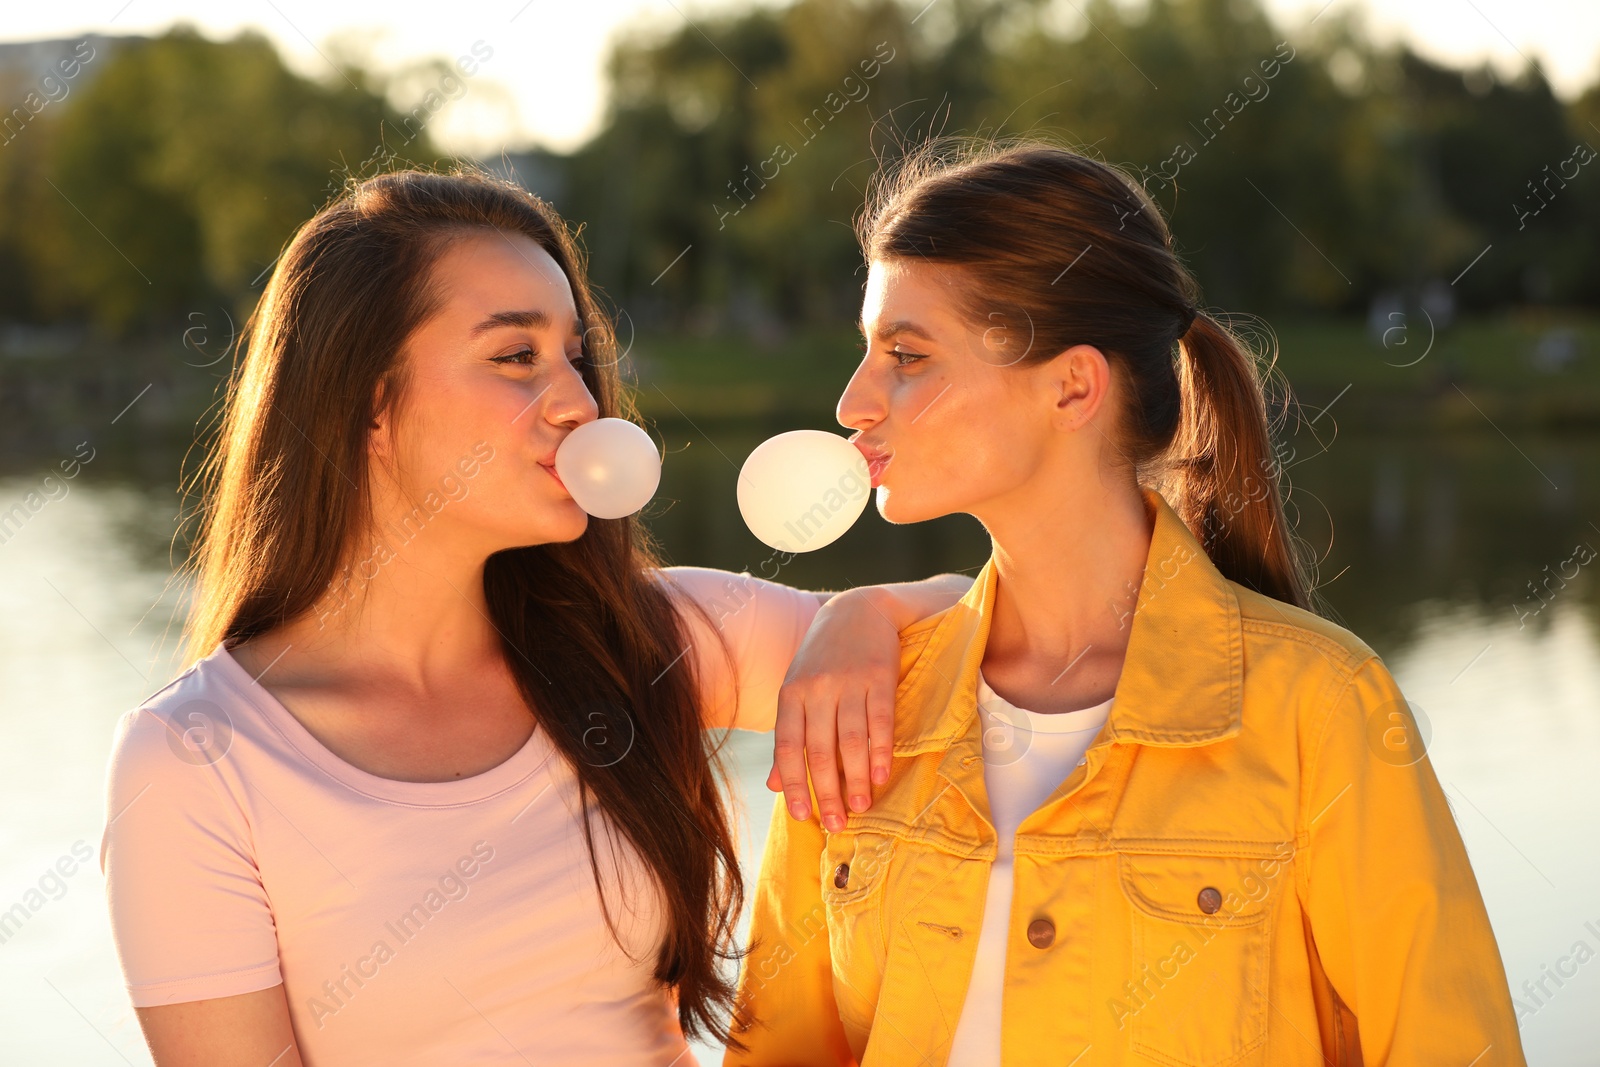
x,y
1416,238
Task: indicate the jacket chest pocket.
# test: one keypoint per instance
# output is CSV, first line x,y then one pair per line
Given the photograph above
x,y
1199,929
855,866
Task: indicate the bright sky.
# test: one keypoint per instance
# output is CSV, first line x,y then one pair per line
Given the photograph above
x,y
544,82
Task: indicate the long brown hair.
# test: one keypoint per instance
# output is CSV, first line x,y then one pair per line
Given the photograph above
x,y
587,633
1062,249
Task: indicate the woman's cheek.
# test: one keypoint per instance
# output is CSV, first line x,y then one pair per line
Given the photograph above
x,y
934,405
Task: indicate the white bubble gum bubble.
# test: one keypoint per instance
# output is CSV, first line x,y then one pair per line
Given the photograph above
x,y
801,490
610,466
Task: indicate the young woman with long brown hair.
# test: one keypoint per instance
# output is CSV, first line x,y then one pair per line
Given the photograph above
x,y
1147,805
437,787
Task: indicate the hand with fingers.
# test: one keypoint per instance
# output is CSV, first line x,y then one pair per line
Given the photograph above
x,y
836,707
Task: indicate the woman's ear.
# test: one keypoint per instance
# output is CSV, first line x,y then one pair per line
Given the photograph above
x,y
1080,378
380,436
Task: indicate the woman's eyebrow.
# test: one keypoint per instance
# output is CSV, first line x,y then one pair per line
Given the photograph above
x,y
528,320
893,329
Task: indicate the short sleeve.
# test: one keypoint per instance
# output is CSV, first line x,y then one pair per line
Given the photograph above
x,y
189,915
763,624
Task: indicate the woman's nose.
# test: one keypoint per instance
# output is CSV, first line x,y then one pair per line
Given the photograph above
x,y
861,404
571,403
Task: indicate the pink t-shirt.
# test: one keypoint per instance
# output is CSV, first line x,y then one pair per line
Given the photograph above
x,y
409,922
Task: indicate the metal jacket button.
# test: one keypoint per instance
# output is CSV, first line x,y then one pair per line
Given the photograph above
x,y
1210,900
841,876
1041,933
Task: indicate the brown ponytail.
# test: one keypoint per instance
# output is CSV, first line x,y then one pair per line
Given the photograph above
x,y
1224,478
1065,250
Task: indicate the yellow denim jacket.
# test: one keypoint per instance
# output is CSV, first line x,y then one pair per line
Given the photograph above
x,y
1255,865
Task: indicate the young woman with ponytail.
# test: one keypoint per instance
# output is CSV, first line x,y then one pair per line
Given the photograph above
x,y
1147,805
437,787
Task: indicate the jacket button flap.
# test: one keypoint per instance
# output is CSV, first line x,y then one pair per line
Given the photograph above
x,y
1232,890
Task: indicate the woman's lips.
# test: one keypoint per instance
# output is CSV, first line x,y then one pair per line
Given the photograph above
x,y
551,470
876,462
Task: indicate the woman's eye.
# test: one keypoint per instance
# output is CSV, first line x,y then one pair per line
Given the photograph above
x,y
905,359
520,356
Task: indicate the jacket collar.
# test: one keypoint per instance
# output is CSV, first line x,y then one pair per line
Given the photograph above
x,y
1182,678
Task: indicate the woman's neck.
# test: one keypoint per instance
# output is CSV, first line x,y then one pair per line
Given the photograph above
x,y
1068,573
413,616
406,680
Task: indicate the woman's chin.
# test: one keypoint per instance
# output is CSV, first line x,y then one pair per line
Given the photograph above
x,y
902,508
893,508
562,523
572,522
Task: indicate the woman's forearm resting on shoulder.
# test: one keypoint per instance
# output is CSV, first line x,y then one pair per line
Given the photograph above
x,y
836,707
904,603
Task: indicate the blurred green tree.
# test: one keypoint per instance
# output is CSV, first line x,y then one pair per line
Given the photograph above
x,y
749,141
1308,171
1311,170
177,174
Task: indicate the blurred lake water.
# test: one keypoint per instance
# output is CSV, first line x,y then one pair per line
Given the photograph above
x,y
1452,556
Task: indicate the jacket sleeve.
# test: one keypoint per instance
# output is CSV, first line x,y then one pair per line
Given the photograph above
x,y
1395,912
785,1013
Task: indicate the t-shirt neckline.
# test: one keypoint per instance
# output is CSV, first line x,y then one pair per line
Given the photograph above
x,y
1040,722
534,754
